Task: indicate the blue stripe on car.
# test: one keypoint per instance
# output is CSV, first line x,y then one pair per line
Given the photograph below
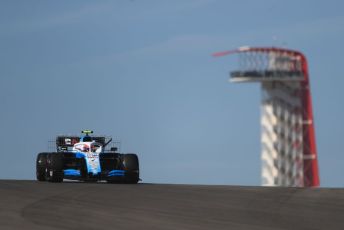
x,y
116,173
79,155
71,172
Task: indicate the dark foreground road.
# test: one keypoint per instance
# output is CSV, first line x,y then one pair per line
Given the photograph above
x,y
82,206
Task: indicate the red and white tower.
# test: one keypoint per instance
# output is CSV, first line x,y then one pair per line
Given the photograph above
x,y
289,156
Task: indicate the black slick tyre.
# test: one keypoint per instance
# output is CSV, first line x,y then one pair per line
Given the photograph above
x,y
54,172
131,167
41,164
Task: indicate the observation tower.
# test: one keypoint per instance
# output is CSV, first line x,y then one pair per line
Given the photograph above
x,y
288,146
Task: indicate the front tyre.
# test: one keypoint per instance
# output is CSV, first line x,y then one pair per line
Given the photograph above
x,y
41,164
54,170
131,167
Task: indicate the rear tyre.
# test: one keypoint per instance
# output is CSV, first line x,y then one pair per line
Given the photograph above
x,y
54,172
131,167
41,164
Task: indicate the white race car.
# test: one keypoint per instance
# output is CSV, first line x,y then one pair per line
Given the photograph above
x,y
86,159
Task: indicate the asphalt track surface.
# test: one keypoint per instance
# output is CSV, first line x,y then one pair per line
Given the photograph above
x,y
83,206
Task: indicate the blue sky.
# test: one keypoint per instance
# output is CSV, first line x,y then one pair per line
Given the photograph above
x,y
142,71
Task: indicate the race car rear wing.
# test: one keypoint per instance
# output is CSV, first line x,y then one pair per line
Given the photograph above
x,y
66,142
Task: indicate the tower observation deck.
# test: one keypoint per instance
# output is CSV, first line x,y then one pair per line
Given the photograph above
x,y
288,146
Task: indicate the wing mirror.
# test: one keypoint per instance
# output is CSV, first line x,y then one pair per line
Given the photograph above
x,y
113,149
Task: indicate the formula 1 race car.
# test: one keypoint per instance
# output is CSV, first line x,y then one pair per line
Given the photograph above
x,y
86,159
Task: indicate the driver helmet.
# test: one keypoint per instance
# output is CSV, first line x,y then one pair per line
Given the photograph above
x,y
86,148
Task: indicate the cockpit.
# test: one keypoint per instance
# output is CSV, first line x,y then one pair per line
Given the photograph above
x,y
88,147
